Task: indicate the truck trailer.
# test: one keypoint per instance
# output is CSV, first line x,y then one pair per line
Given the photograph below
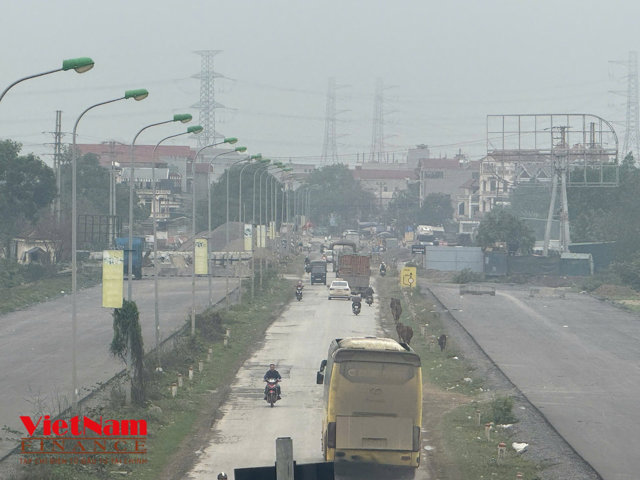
x,y
355,269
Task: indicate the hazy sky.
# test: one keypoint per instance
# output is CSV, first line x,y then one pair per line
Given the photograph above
x,y
448,64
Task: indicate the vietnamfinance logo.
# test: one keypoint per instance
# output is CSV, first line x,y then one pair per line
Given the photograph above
x,y
83,440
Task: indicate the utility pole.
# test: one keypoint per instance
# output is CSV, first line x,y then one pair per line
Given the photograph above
x,y
632,120
57,164
207,104
330,144
377,136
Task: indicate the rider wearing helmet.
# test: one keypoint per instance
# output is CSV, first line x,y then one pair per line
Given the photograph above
x,y
222,476
272,373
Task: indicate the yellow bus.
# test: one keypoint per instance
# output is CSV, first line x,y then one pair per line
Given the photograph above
x,y
372,402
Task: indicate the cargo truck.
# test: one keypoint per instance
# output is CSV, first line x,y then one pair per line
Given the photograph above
x,y
122,243
355,269
318,272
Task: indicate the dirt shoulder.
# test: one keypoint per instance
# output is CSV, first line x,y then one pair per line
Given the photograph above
x,y
546,447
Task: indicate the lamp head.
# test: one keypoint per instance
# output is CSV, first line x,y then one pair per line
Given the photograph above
x,y
80,65
257,156
182,117
195,129
230,140
240,149
137,95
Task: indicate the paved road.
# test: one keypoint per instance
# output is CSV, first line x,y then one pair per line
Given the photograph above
x,y
296,343
576,359
35,344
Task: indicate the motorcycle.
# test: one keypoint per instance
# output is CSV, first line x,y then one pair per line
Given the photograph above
x,y
355,308
272,391
369,300
298,293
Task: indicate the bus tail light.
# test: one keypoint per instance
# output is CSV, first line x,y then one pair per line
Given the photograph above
x,y
416,439
331,435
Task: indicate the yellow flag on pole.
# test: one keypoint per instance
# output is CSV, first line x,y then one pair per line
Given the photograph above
x,y
202,254
112,278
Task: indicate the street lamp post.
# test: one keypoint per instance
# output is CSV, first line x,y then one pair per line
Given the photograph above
x,y
255,233
266,204
179,117
136,95
80,65
237,149
231,141
257,156
195,130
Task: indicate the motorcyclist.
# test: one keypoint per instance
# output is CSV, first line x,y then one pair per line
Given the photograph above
x,y
383,268
356,302
299,285
368,292
222,476
272,373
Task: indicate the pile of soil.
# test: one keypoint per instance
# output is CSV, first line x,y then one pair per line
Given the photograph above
x,y
616,291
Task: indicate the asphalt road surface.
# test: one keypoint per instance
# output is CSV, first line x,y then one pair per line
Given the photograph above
x,y
246,433
576,359
36,344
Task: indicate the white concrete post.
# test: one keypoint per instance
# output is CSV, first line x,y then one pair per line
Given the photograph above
x,y
502,450
487,431
284,458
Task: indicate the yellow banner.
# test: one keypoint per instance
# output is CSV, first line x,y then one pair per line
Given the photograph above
x,y
248,237
202,254
408,277
112,278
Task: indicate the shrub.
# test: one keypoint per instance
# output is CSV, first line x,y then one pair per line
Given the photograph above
x,y
501,409
467,276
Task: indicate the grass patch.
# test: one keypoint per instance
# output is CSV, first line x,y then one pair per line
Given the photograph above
x,y
465,452
467,446
447,369
21,296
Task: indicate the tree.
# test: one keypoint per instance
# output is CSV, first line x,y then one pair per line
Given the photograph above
x,y
436,210
93,190
128,345
27,185
339,200
499,225
404,207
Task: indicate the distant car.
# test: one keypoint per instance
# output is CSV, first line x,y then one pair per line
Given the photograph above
x,y
339,289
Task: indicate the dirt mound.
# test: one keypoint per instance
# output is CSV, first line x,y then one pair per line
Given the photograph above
x,y
615,291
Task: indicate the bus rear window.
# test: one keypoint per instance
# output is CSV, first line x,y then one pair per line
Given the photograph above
x,y
377,373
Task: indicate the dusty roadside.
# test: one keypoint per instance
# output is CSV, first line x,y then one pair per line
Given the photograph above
x,y
547,447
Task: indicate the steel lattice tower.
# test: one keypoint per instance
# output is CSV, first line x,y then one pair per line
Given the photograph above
x,y
207,104
377,136
632,124
330,145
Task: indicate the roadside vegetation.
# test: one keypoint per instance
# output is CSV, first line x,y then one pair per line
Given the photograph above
x,y
175,423
456,403
25,285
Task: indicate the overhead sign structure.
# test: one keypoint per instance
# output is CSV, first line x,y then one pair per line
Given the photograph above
x,y
201,260
408,277
112,278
